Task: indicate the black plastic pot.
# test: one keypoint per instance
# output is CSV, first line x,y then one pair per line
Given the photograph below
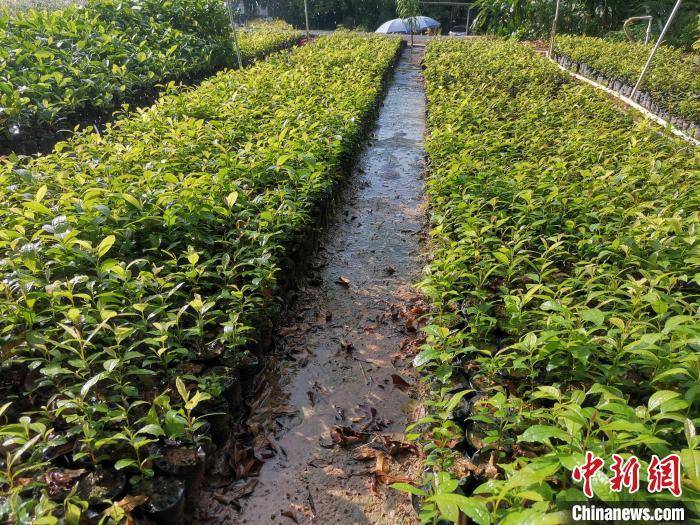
x,y
101,487
13,376
187,463
187,368
231,388
210,353
217,413
166,500
248,366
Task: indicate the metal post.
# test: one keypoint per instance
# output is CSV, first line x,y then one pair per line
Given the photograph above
x,y
235,33
554,30
656,46
649,20
469,16
306,14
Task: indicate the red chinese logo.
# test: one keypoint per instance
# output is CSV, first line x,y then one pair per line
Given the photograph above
x,y
585,472
665,474
662,474
625,474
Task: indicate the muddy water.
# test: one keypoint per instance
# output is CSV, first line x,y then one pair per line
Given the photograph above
x,y
343,339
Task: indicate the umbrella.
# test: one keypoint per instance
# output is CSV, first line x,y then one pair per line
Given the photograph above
x,y
421,23
393,26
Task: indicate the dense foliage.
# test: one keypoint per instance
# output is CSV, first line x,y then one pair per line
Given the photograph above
x,y
565,280
673,80
129,255
57,66
15,6
328,14
533,18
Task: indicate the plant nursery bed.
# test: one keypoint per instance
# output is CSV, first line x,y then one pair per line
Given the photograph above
x,y
131,251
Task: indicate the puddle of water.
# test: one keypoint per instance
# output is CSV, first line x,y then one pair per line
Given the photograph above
x,y
343,345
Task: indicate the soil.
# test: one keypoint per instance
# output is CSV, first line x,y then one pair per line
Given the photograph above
x,y
181,456
325,430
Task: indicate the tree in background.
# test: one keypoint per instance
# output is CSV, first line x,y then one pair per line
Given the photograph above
x,y
329,14
408,10
533,18
518,18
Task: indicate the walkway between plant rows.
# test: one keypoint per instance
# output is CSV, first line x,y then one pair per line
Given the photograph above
x,y
337,394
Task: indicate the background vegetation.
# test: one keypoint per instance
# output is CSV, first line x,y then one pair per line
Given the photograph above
x,y
533,18
521,18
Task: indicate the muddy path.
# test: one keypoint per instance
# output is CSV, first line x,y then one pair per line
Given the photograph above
x,y
339,390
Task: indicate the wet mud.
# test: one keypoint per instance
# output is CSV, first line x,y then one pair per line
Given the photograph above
x,y
337,393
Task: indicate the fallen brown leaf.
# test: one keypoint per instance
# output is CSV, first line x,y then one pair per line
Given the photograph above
x,y
316,394
381,465
289,514
58,480
419,412
288,330
346,436
400,383
319,463
371,422
324,316
293,329
129,503
388,479
236,491
364,452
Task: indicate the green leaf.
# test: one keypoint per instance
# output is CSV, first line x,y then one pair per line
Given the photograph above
x,y
131,200
690,461
454,401
41,192
125,463
105,245
451,504
182,390
37,207
593,315
90,383
425,356
151,429
660,397
231,199
543,434
72,514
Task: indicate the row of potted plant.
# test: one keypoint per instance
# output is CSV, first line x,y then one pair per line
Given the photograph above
x,y
565,282
670,88
61,67
141,268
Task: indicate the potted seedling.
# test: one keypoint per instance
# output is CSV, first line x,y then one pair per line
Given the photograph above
x,y
225,382
166,505
209,353
101,487
216,410
247,365
182,455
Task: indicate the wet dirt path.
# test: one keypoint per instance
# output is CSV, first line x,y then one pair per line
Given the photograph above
x,y
341,388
